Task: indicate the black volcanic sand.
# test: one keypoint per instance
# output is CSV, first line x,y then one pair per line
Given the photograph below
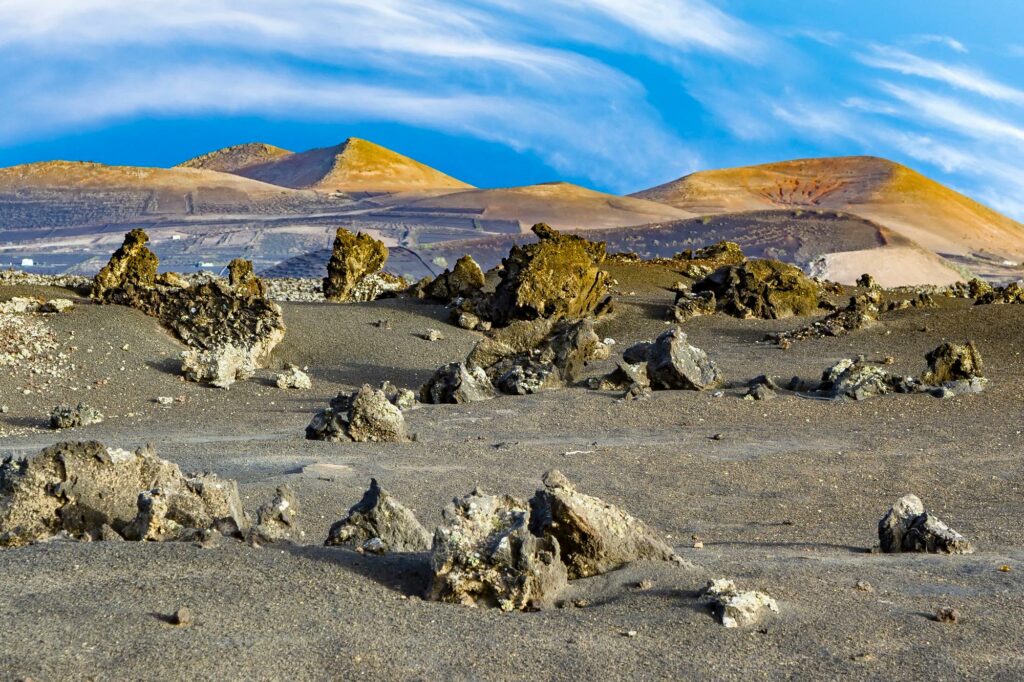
x,y
786,501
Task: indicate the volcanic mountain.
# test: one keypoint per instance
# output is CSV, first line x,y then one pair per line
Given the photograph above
x,y
355,165
887,193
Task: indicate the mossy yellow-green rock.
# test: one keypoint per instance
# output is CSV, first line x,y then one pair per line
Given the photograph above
x,y
133,263
761,288
355,256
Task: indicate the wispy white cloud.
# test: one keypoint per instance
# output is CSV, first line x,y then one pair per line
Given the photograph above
x,y
949,41
956,116
960,77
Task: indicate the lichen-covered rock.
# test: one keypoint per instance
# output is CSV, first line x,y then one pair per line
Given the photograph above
x,y
1012,293
734,608
219,367
866,281
953,362
761,288
243,280
907,527
484,554
82,488
699,263
355,256
672,363
457,383
689,305
293,377
464,280
67,417
594,537
558,277
132,264
278,519
364,416
378,516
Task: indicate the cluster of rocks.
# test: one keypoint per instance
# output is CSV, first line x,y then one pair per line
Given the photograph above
x,y
952,369
558,277
496,550
699,263
230,328
667,363
87,491
521,358
367,415
859,313
24,304
755,288
355,270
28,344
907,527
984,293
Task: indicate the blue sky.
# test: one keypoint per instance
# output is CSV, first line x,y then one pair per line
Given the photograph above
x,y
614,94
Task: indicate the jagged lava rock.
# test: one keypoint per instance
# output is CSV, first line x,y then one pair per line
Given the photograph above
x,y
67,417
953,362
378,516
735,608
80,488
243,280
594,537
364,416
558,277
462,281
457,383
672,363
907,527
484,554
278,519
203,505
132,264
354,257
293,377
761,288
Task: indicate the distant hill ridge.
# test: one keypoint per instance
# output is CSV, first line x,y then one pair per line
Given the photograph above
x,y
355,165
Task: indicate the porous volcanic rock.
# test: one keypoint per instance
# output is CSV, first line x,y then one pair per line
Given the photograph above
x,y
558,277
81,489
850,378
293,377
953,362
484,554
364,416
734,608
907,527
595,537
243,280
1012,293
278,519
355,257
859,313
761,288
378,516
68,417
132,264
456,383
698,263
672,363
219,367
464,280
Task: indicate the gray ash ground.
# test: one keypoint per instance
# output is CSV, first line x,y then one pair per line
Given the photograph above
x,y
786,501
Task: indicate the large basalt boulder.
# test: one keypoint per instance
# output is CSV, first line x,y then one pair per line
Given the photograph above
x,y
484,554
132,264
761,288
379,523
672,363
464,280
953,362
355,257
457,383
594,537
243,280
907,527
86,489
364,416
558,277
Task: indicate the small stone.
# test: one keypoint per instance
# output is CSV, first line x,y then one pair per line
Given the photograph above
x,y
182,617
864,586
630,633
947,614
734,608
67,417
165,400
645,584
293,378
432,335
